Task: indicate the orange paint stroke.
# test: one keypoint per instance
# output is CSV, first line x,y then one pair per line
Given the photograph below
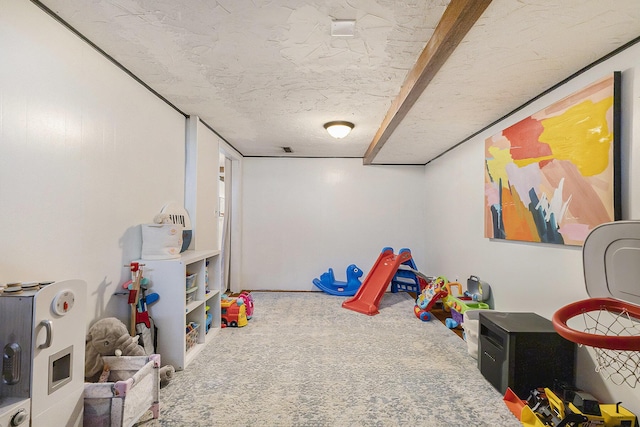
x,y
518,221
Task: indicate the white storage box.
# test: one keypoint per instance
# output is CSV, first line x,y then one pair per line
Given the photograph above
x,y
161,241
471,324
132,389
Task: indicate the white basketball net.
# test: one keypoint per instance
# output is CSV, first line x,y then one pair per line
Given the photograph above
x,y
618,366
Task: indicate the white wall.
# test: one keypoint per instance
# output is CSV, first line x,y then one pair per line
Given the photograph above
x,y
526,276
86,155
201,184
302,216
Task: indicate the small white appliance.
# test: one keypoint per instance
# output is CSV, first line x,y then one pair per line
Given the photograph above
x,y
42,334
179,216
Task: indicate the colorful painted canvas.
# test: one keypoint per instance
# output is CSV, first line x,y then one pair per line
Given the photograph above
x,y
554,176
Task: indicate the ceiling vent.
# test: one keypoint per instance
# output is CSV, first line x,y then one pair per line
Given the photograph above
x,y
343,28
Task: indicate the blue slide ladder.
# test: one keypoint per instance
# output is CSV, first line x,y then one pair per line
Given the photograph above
x,y
406,280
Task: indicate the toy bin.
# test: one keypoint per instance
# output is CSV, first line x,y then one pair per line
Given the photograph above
x,y
190,294
190,280
471,325
131,390
191,337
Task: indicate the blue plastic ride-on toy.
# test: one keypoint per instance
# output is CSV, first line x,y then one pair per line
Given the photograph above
x,y
328,283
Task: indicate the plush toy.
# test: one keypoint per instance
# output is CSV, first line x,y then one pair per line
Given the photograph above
x,y
110,337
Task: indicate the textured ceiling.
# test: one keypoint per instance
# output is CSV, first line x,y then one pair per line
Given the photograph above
x,y
265,74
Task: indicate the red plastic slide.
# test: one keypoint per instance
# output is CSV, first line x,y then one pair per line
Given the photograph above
x,y
367,299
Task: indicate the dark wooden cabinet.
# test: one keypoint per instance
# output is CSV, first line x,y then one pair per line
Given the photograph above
x,y
523,351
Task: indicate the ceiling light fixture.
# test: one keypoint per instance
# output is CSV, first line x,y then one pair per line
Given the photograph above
x,y
338,129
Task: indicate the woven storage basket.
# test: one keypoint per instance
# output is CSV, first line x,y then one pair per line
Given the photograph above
x,y
192,338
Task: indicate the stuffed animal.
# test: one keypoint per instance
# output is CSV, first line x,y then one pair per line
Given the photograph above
x,y
110,337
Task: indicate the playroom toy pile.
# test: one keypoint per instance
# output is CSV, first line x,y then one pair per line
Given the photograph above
x,y
558,404
566,405
399,272
122,372
236,310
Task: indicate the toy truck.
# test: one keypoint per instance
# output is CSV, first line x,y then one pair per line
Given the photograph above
x,y
234,312
576,407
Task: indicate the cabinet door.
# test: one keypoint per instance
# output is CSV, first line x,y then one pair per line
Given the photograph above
x,y
491,360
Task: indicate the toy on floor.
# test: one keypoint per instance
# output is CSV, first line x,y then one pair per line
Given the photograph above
x,y
248,303
233,312
139,301
131,389
330,285
110,337
389,269
135,286
565,407
423,315
454,298
452,304
367,299
408,279
477,289
433,292
471,299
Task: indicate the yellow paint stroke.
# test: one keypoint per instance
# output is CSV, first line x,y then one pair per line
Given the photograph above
x,y
497,165
581,135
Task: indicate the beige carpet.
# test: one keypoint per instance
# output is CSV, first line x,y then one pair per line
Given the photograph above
x,y
303,360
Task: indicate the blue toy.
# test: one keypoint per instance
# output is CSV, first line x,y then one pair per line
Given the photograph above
x,y
407,278
330,285
450,323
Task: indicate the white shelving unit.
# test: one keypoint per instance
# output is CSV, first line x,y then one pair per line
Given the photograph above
x,y
171,312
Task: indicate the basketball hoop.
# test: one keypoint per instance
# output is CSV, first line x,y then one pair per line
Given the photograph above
x,y
612,328
609,321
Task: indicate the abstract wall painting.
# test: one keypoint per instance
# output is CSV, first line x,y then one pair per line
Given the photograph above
x,y
554,176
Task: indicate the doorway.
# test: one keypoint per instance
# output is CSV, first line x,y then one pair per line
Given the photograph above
x,y
228,220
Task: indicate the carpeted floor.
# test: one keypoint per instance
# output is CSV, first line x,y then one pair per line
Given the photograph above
x,y
303,360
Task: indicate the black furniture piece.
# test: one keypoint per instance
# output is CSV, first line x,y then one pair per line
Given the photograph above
x,y
523,351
